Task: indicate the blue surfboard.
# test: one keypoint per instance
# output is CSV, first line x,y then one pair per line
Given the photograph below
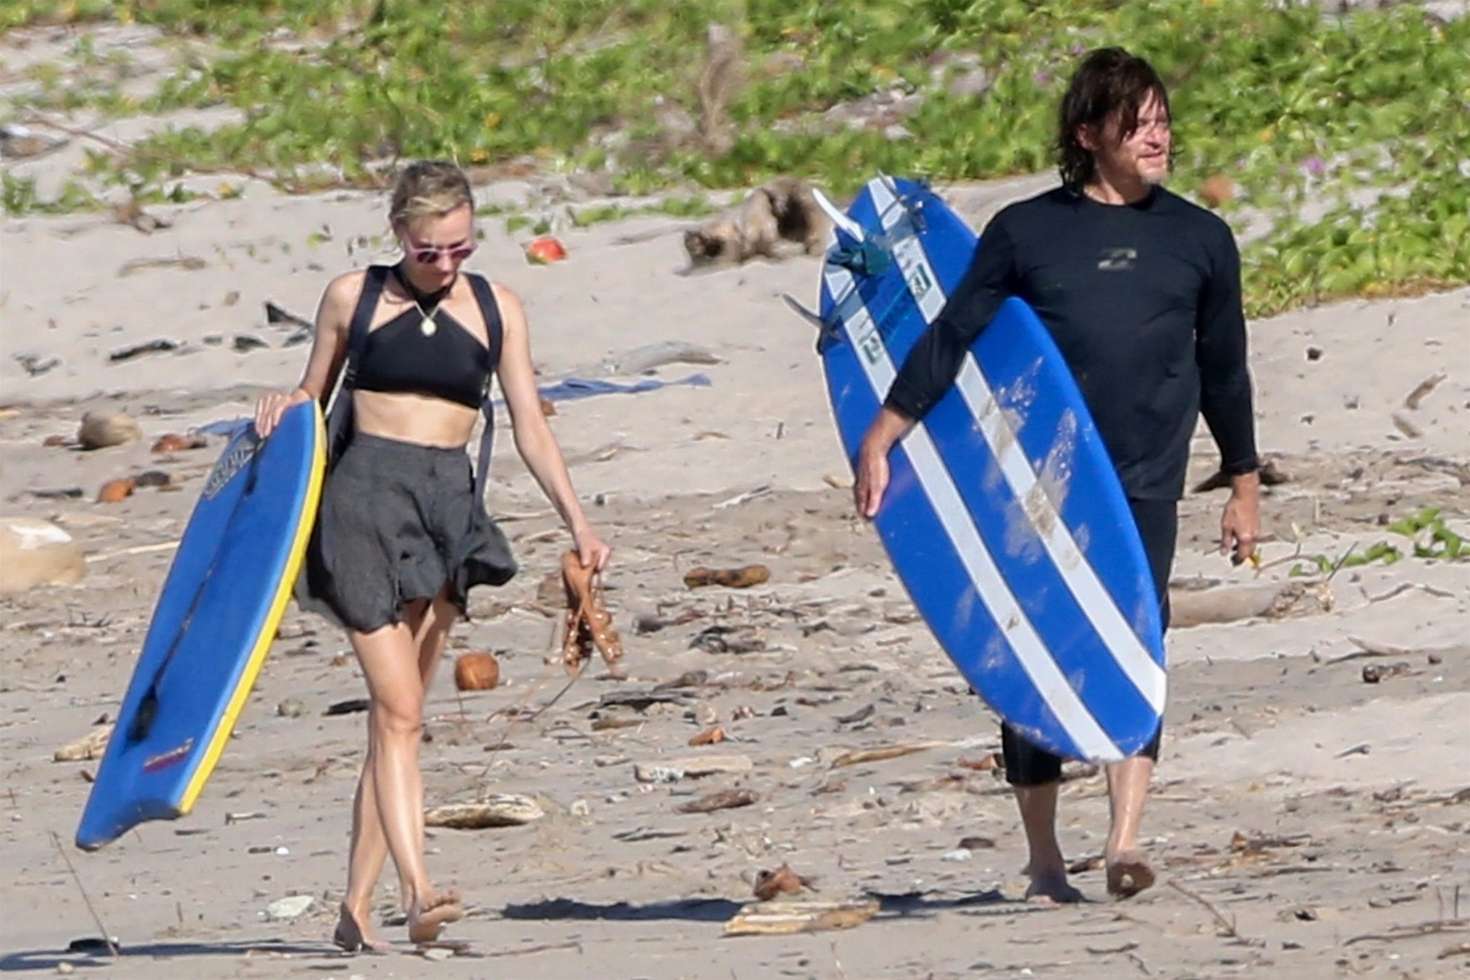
x,y
214,622
1004,518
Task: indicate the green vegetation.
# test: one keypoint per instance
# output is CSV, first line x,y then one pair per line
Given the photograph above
x,y
1425,534
1372,108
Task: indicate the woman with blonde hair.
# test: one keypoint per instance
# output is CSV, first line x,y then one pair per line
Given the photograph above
x,y
403,534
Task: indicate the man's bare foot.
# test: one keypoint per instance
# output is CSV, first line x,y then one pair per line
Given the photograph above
x,y
1128,874
1052,889
354,936
428,917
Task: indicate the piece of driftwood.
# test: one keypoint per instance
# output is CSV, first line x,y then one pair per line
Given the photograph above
x,y
690,767
882,753
500,810
89,746
1230,605
787,918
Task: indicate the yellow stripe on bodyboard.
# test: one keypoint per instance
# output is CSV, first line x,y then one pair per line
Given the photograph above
x,y
267,635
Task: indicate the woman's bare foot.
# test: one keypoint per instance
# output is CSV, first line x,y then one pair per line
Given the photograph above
x,y
429,915
354,936
1052,889
1128,874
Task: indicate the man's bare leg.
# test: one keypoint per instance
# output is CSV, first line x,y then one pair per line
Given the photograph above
x,y
1128,869
1046,867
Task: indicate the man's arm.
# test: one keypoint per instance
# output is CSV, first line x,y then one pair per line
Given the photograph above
x,y
934,362
1225,397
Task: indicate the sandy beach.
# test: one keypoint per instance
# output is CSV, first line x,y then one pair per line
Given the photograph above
x,y
1311,812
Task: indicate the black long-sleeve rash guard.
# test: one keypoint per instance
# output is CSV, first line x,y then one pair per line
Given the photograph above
x,y
1144,302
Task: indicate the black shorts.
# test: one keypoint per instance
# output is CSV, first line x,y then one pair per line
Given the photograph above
x,y
1158,524
398,522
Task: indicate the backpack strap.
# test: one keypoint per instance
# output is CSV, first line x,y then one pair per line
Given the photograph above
x,y
494,336
339,415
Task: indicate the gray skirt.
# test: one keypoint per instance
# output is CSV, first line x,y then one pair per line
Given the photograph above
x,y
398,522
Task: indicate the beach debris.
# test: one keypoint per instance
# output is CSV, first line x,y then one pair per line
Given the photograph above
x,y
159,346
641,699
35,552
787,918
244,343
100,430
279,314
881,753
291,708
731,578
131,213
36,365
95,946
153,478
690,767
288,908
1408,428
728,639
1270,474
975,843
741,498
55,441
476,672
58,493
188,263
985,763
782,881
781,212
497,810
1228,605
1374,673
710,736
114,491
19,142
725,799
173,442
648,357
1422,390
545,250
350,706
90,746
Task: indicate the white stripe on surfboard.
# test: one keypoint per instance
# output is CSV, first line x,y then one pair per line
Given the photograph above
x,y
985,577
1098,605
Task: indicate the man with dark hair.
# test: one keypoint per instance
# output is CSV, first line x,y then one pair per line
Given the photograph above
x,y
1141,292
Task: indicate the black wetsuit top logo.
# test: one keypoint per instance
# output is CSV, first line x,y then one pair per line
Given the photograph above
x,y
1117,259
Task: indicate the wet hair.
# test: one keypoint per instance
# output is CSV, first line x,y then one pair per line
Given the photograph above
x,y
429,188
1108,82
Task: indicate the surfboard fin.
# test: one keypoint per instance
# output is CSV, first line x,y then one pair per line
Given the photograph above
x,y
842,223
805,312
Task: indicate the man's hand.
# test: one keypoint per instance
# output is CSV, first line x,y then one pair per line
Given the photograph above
x,y
1240,525
872,463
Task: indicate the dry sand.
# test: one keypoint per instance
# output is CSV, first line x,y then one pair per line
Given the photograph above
x,y
1305,820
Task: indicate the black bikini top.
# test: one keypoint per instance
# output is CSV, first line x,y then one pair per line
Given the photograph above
x,y
433,355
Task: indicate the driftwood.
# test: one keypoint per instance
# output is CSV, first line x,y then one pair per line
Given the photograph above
x,y
787,918
89,746
500,810
1229,605
690,767
882,753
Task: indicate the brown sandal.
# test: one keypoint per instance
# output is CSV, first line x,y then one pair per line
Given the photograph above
x,y
588,624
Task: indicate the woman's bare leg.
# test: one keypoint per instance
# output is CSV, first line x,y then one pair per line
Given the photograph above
x,y
428,624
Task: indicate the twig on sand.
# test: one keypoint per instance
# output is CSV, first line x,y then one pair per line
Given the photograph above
x,y
106,936
35,119
1412,932
1226,926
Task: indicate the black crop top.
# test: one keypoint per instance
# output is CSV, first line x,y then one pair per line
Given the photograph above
x,y
447,362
